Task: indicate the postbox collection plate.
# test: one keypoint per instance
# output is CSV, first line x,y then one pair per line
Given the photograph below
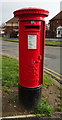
x,y
32,41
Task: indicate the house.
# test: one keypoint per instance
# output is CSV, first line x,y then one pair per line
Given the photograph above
x,y
11,28
55,23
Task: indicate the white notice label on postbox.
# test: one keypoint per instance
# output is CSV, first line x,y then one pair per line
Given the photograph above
x,y
32,41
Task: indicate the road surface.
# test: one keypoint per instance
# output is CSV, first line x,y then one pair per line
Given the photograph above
x,y
53,56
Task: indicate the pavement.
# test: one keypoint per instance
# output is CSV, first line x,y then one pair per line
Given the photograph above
x,y
33,117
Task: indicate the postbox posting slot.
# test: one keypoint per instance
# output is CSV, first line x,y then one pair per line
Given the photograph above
x,y
32,27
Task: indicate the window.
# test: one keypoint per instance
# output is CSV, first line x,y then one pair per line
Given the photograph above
x,y
58,32
15,23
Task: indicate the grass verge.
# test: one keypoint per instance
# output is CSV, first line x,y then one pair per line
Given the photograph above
x,y
9,39
54,43
9,72
47,80
13,40
43,108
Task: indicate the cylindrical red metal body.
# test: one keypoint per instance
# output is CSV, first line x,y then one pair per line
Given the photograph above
x,y
31,46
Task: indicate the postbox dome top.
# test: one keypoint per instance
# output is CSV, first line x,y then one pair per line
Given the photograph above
x,y
32,11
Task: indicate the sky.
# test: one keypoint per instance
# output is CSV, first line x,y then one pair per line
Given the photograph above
x,y
7,7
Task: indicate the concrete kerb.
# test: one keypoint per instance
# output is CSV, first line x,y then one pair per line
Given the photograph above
x,y
30,117
9,56
54,45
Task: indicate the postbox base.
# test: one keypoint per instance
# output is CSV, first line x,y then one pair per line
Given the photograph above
x,y
30,97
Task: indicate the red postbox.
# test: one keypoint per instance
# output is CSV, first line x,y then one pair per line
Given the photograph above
x,y
31,53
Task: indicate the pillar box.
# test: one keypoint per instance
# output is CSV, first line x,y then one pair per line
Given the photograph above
x,y
31,54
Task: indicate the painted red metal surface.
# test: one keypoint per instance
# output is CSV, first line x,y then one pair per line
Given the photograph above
x,y
32,11
31,46
31,14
